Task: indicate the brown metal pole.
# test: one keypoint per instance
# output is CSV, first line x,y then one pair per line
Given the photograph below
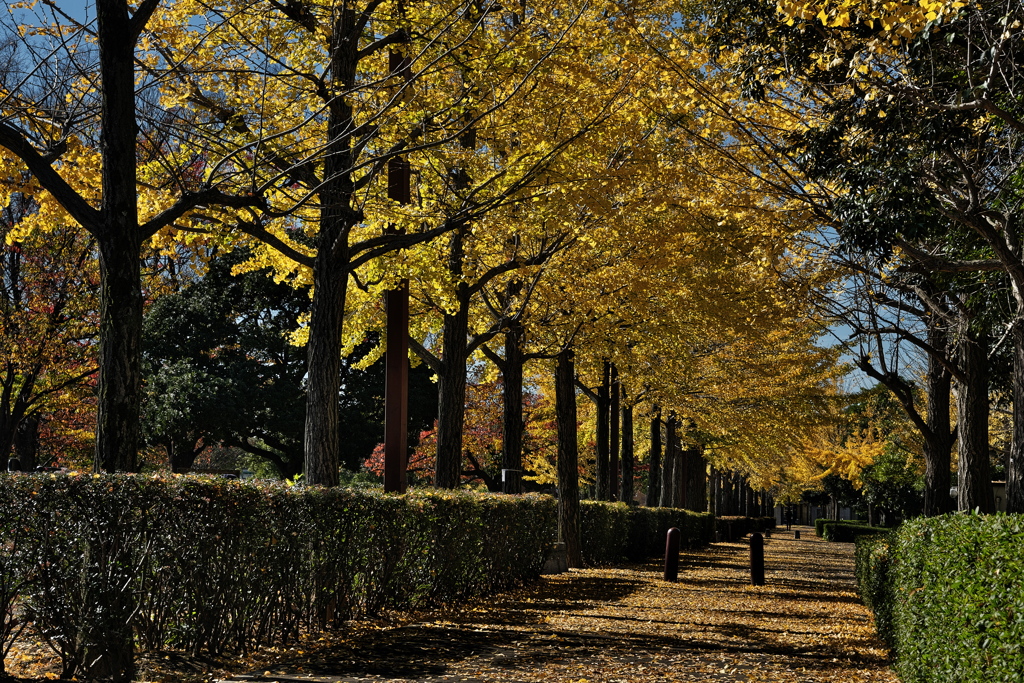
x,y
672,554
396,354
614,422
396,389
756,560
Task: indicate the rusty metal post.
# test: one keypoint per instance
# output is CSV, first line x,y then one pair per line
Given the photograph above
x,y
396,303
672,554
396,389
756,560
614,433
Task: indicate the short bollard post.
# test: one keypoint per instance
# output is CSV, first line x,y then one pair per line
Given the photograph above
x,y
672,554
756,560
796,534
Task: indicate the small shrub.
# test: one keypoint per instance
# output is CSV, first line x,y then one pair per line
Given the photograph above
x,y
611,532
819,525
732,528
848,532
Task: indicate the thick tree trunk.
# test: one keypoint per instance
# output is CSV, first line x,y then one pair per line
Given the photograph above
x,y
938,442
602,428
713,492
330,271
654,463
627,456
119,245
1015,462
451,380
120,378
614,411
111,653
696,488
568,458
512,411
974,473
451,398
26,443
323,380
679,472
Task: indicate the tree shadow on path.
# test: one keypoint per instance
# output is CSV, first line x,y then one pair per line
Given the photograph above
x,y
626,624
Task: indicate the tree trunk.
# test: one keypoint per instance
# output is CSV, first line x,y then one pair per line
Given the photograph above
x,y
654,462
120,378
568,458
323,379
975,479
330,271
938,443
696,488
602,429
614,411
26,443
713,492
680,473
627,456
1015,461
668,490
451,380
512,411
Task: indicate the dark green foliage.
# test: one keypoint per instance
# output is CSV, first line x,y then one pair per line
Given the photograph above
x,y
893,483
734,528
872,570
819,524
604,531
219,368
947,594
612,532
212,566
848,532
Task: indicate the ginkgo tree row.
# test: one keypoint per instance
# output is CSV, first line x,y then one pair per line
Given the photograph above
x,y
563,196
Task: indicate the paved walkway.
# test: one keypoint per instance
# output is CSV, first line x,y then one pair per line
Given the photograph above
x,y
628,625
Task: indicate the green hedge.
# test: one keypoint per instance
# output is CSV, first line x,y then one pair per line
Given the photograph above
x,y
872,569
819,524
952,590
613,532
212,565
734,528
848,532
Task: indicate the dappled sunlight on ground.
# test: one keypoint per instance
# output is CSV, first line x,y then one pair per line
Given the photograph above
x,y
615,624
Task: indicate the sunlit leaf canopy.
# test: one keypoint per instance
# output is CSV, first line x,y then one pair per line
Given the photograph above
x,y
685,241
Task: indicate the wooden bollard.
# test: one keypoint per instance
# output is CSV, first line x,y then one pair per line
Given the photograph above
x,y
756,560
672,554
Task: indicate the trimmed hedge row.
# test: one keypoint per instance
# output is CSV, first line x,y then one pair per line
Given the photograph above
x,y
848,532
872,571
948,596
612,532
104,562
734,528
820,522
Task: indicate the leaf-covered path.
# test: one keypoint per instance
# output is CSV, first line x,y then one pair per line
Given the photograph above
x,y
625,624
